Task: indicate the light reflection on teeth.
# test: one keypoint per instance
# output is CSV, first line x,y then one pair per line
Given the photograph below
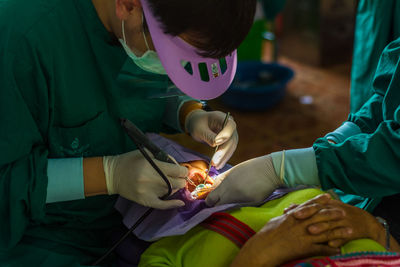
x,y
201,191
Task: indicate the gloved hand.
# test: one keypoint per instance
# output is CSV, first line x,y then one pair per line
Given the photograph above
x,y
255,179
250,181
130,175
206,127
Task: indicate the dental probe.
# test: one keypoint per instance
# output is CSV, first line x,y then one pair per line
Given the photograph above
x,y
216,148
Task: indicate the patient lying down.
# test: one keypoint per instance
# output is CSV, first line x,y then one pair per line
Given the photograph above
x,y
197,235
272,235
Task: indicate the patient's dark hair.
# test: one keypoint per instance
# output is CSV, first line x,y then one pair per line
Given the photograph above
x,y
216,27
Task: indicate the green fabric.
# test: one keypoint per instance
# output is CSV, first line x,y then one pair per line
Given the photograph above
x,y
171,119
362,245
61,170
251,47
377,24
64,84
358,201
367,164
202,247
343,132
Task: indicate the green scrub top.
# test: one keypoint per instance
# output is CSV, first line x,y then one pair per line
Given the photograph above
x,y
367,164
64,83
377,24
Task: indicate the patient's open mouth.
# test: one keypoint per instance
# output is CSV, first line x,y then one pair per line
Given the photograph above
x,y
197,174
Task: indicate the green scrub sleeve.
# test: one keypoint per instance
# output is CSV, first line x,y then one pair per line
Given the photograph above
x,y
172,109
373,29
367,164
23,157
369,115
364,164
346,130
384,86
377,24
65,180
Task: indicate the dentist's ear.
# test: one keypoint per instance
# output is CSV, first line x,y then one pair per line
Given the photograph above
x,y
124,8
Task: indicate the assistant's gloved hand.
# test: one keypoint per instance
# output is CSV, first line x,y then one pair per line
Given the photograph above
x,y
131,176
206,127
249,181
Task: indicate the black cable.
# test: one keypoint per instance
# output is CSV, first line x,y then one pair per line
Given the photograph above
x,y
146,214
111,249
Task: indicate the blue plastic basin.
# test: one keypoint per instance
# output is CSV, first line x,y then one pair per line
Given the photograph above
x,y
257,85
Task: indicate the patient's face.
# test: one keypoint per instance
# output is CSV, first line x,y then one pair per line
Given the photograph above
x,y
197,173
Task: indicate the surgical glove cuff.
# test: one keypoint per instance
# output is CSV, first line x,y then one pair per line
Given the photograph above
x,y
270,172
190,119
296,167
65,180
347,129
110,164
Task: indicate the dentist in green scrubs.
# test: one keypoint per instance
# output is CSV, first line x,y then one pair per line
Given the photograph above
x,y
69,70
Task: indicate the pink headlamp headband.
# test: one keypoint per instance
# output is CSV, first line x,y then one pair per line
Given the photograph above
x,y
205,78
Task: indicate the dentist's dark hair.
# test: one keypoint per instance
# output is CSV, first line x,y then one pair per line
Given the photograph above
x,y
215,27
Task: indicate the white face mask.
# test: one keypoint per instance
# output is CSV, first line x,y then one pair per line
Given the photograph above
x,y
149,61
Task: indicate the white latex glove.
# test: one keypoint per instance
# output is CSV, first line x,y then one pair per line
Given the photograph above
x,y
206,127
250,181
131,176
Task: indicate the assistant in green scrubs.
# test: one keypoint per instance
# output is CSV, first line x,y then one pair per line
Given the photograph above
x,y
366,162
377,24
65,82
360,158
